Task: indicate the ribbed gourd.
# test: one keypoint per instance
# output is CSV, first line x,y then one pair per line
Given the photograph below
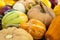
x,y
14,17
35,27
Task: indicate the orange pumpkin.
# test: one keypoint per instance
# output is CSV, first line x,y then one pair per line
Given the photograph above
x,y
35,27
53,32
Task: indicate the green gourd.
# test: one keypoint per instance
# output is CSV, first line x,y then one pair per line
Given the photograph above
x,y
14,17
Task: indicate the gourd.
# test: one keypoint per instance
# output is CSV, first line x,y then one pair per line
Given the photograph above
x,y
10,2
4,9
19,6
13,33
14,17
42,13
57,10
47,3
35,27
2,4
53,32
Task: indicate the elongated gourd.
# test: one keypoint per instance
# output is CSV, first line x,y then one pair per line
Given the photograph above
x,y
53,32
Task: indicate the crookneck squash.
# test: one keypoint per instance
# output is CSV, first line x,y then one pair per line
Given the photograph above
x,y
53,32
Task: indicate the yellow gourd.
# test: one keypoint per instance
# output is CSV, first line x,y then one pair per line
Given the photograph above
x,y
9,2
53,32
57,10
47,3
2,4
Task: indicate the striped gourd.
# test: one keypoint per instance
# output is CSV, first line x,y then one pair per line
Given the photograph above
x,y
14,17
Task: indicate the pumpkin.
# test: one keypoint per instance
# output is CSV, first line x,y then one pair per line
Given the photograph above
x,y
35,27
42,13
13,33
53,32
14,17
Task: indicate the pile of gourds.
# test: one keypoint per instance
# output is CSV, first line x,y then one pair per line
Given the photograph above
x,y
29,20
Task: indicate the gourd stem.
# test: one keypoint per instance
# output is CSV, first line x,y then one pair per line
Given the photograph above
x,y
41,4
46,9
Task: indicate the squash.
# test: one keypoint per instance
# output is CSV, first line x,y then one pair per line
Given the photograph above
x,y
57,10
35,27
10,2
14,17
53,32
42,13
13,33
19,6
47,3
2,4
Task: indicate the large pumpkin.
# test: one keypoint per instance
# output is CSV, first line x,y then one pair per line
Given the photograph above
x,y
14,17
53,32
35,27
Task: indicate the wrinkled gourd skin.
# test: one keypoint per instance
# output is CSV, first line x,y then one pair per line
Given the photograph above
x,y
35,27
53,32
37,13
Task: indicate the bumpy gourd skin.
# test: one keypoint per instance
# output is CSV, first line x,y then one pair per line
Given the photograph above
x,y
13,33
53,32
